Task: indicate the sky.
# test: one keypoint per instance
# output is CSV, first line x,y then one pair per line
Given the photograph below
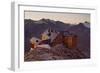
x,y
72,18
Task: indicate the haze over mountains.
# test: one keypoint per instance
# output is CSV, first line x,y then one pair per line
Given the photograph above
x,y
35,28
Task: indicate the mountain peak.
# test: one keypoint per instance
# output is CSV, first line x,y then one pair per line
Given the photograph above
x,y
85,24
43,19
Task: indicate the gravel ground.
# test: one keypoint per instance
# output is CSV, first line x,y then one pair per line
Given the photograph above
x,y
58,52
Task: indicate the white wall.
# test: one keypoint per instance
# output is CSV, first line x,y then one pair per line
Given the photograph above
x,y
5,34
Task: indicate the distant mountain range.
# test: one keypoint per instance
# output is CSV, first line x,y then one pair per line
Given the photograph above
x,y
35,28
